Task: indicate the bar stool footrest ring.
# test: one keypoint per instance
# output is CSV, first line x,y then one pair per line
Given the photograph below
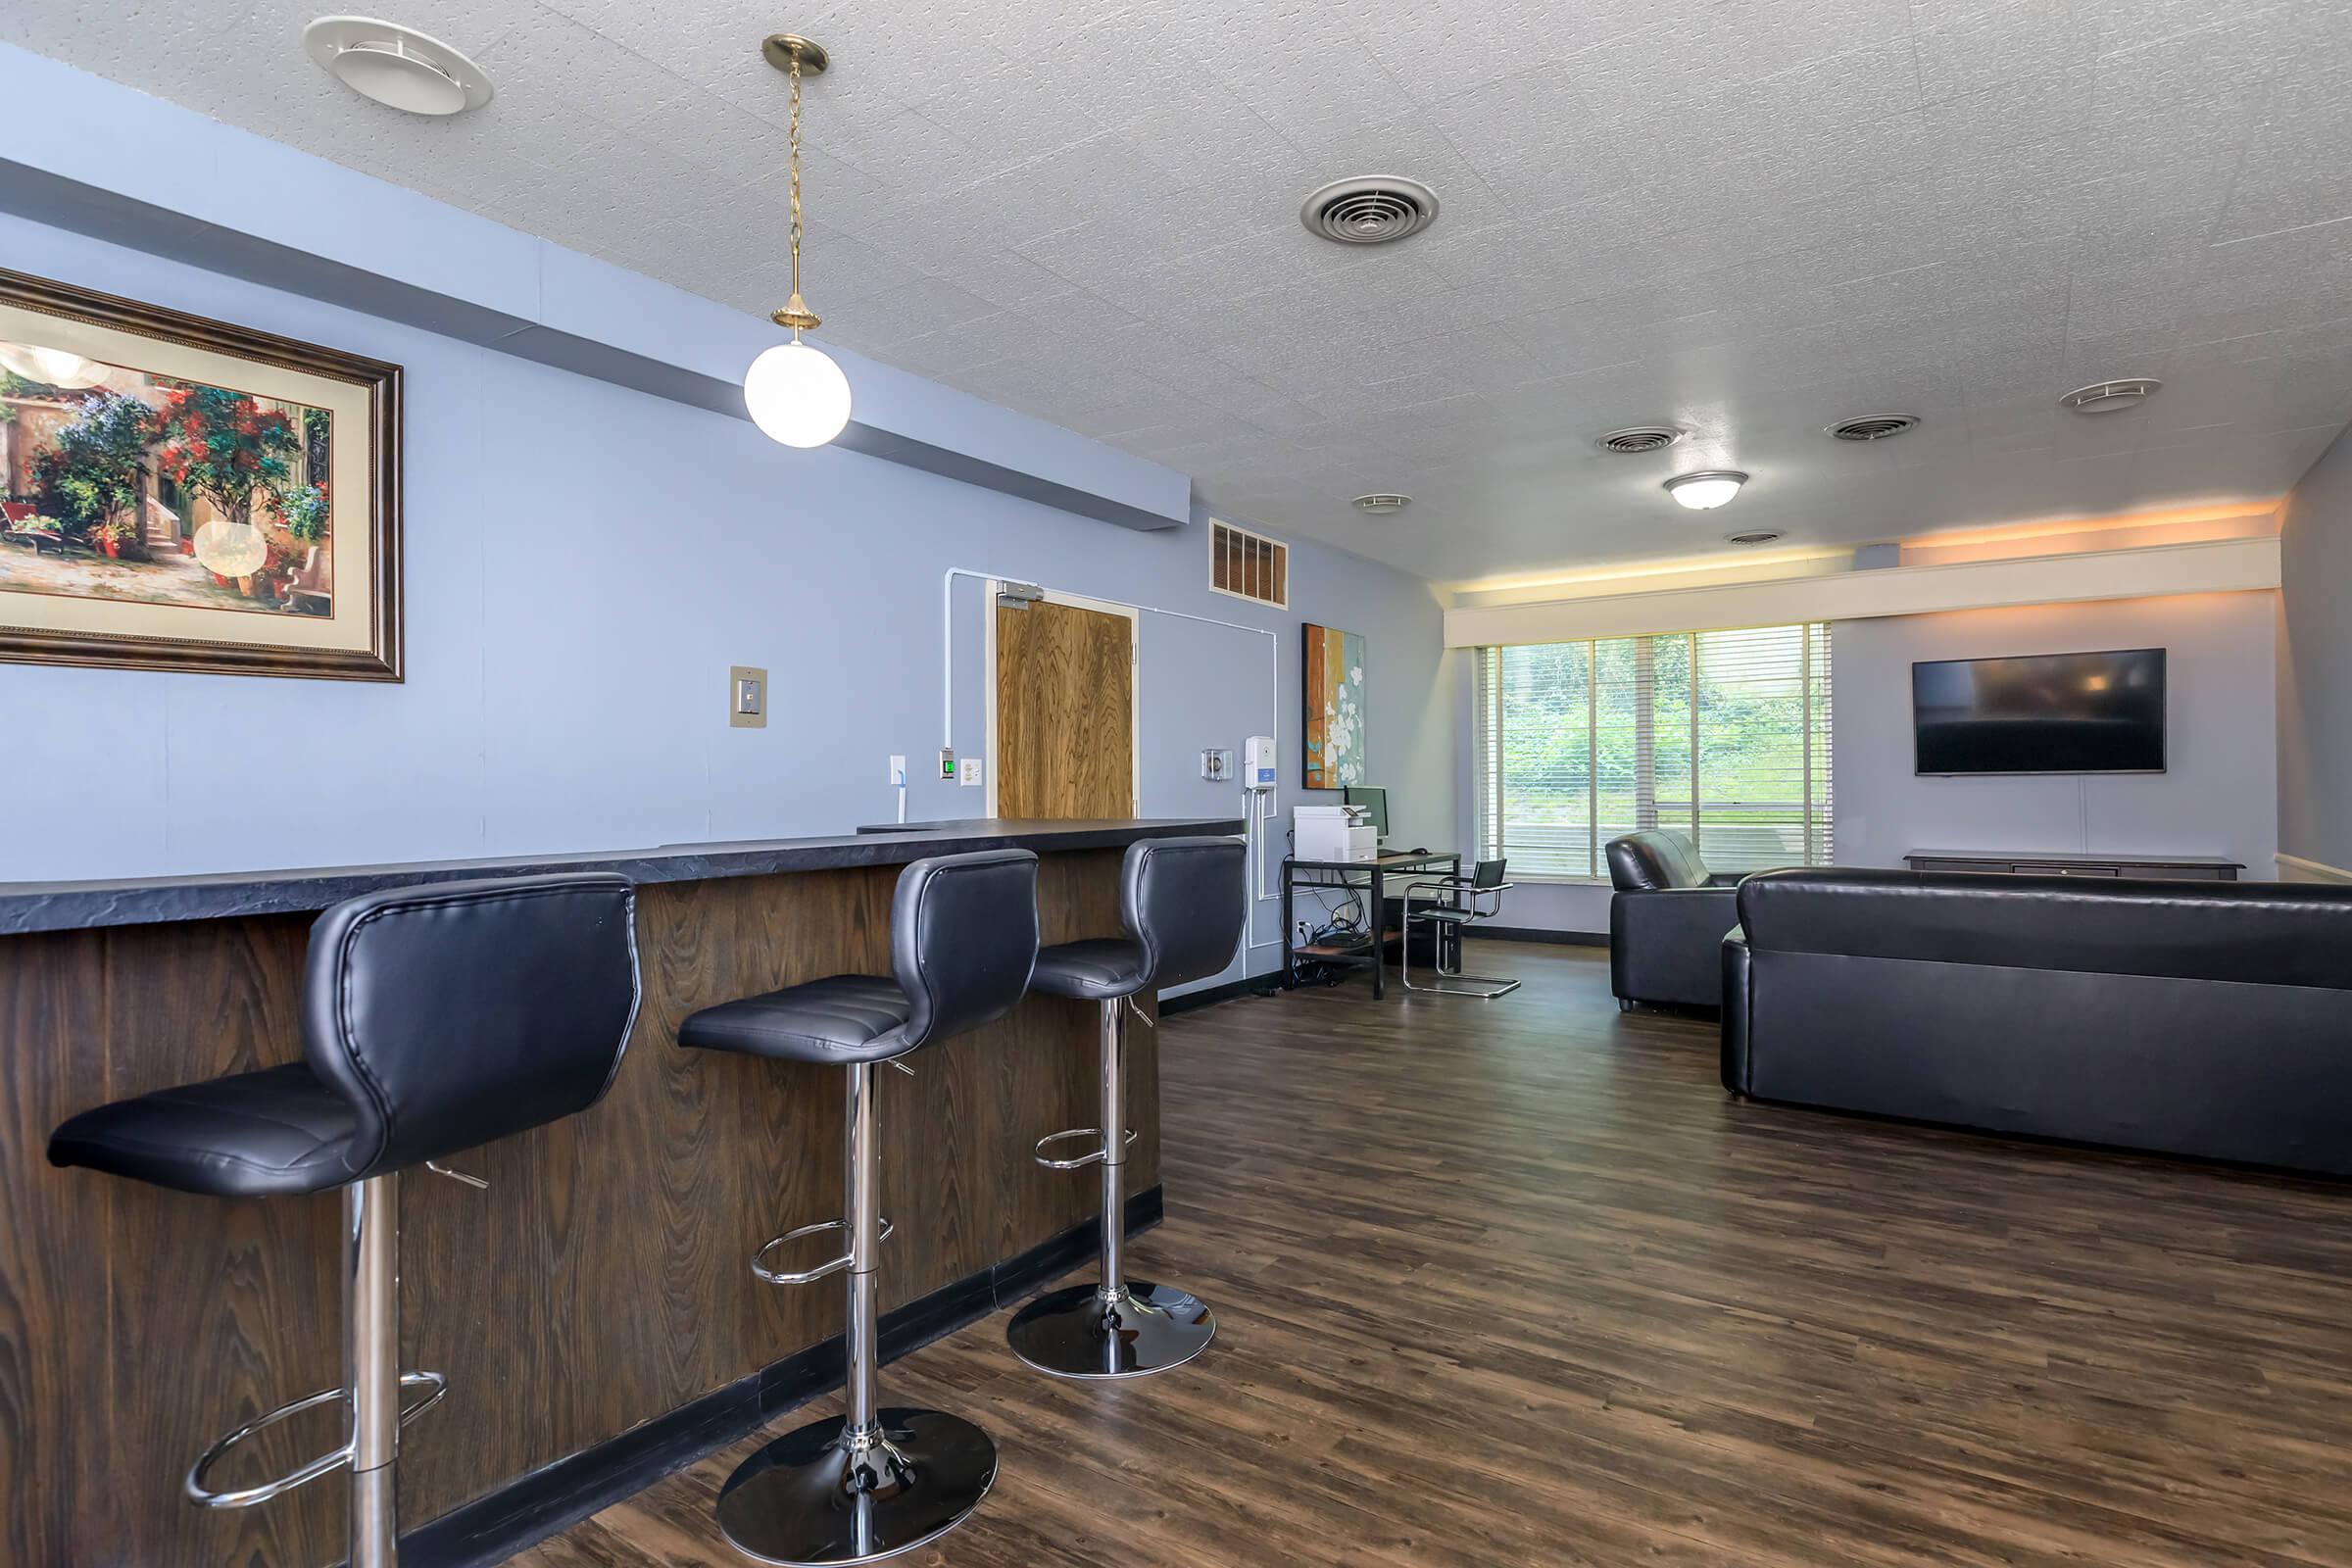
x,y
761,1270
1093,1156
205,1497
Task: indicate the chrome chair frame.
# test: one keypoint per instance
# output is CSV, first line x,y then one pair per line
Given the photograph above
x,y
1458,894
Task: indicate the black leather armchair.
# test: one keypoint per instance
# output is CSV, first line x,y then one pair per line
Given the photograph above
x,y
2204,1018
1666,921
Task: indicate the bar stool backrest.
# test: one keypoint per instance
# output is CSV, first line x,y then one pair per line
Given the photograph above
x,y
964,938
459,1014
1184,902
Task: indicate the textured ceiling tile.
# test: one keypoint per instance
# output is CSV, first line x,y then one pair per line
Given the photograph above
x,y
1748,217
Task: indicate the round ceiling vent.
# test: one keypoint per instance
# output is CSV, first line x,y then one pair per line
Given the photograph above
x,y
1638,438
1373,210
1761,536
2111,397
1382,501
1874,426
396,66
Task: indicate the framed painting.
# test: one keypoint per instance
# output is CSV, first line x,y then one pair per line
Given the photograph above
x,y
176,493
1334,663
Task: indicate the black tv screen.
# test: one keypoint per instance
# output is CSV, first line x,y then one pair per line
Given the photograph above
x,y
2049,714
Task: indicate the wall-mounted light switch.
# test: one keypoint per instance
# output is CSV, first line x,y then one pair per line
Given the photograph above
x,y
968,771
747,696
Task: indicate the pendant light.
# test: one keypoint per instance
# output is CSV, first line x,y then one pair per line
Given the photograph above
x,y
795,392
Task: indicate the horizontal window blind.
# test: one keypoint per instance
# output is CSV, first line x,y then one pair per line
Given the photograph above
x,y
1720,735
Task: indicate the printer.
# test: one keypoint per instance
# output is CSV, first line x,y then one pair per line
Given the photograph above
x,y
1333,833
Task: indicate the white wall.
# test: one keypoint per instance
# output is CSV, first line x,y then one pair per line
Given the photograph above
x,y
2218,797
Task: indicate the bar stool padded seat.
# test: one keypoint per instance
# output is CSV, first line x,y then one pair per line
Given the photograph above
x,y
843,1019
277,1132
1094,969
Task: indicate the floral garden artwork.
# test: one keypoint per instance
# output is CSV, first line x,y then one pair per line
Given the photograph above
x,y
1334,708
177,493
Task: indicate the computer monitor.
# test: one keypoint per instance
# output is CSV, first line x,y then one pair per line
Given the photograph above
x,y
1373,800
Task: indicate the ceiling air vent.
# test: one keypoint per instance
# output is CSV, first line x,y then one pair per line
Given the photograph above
x,y
1640,438
1373,210
2111,397
1874,426
1761,536
1249,566
1381,503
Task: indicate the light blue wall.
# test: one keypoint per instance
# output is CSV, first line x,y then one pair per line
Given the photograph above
x,y
2315,660
583,564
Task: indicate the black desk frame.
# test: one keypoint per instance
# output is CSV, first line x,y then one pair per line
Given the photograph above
x,y
1343,875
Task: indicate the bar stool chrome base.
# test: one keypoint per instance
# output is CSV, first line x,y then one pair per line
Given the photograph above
x,y
1077,1332
813,1498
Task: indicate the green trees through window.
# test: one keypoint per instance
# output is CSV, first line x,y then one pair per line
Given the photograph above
x,y
1723,735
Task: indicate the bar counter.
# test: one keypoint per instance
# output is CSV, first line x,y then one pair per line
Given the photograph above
x,y
594,1310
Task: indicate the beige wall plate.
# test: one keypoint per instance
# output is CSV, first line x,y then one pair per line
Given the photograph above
x,y
747,696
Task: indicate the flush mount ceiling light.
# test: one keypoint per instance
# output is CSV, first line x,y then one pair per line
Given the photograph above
x,y
2111,397
396,66
1761,536
1370,210
795,392
1638,438
1706,489
1380,502
1874,426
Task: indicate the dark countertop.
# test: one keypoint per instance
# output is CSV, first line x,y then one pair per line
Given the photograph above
x,y
2053,856
31,906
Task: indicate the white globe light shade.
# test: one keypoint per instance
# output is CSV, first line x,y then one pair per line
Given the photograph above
x,y
231,549
798,395
57,367
1704,491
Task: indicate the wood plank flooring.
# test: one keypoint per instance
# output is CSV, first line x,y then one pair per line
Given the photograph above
x,y
1514,1283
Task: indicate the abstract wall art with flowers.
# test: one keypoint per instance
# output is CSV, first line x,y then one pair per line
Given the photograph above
x,y
177,493
1334,708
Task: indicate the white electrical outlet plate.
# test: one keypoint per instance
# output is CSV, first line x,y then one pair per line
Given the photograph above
x,y
967,772
898,771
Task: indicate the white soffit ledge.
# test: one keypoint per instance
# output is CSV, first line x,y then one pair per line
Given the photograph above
x,y
2222,565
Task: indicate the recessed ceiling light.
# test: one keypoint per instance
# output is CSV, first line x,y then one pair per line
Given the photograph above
x,y
1761,536
1382,501
1638,438
1706,489
1370,210
2111,397
396,66
1874,426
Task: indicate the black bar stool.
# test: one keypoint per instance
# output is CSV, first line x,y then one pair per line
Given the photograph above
x,y
434,1020
874,1481
1183,903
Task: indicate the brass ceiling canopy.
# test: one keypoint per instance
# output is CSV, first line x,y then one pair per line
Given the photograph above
x,y
782,48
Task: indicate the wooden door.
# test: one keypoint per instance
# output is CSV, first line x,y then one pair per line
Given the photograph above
x,y
1065,712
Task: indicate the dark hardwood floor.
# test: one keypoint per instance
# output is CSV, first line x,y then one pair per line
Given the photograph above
x,y
1513,1283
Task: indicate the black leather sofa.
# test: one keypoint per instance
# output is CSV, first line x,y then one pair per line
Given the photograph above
x,y
2204,1018
1666,921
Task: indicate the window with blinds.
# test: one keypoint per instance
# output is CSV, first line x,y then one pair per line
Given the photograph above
x,y
1721,735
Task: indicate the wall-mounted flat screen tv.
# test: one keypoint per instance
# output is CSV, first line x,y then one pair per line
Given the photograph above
x,y
2046,713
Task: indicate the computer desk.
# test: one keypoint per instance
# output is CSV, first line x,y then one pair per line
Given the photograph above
x,y
1343,875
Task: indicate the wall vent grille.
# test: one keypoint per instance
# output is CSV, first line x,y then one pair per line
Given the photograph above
x,y
1249,566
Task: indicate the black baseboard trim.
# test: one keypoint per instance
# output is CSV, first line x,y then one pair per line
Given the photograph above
x,y
1256,985
1532,933
496,1525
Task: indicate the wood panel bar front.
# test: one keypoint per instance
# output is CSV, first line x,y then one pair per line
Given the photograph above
x,y
601,1282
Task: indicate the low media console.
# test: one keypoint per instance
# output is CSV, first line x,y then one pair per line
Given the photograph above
x,y
2187,868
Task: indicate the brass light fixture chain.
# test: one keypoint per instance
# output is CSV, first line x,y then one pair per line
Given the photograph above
x,y
796,57
795,181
